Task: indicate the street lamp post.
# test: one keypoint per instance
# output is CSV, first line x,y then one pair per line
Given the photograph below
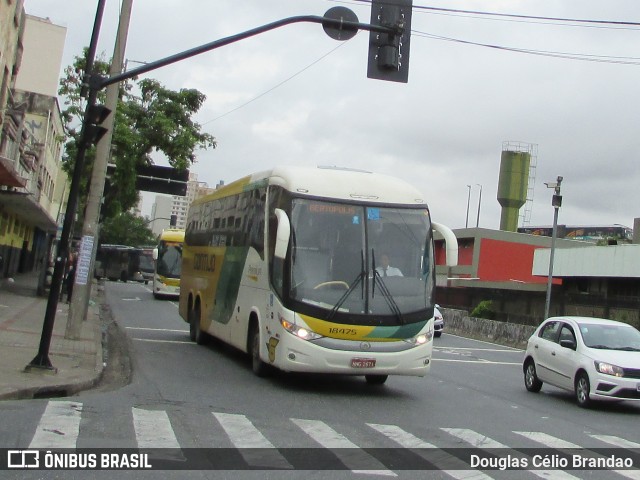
x,y
479,202
466,223
556,202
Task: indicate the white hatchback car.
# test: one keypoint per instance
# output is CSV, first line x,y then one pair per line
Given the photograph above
x,y
592,357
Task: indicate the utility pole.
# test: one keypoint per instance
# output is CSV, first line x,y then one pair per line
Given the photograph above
x,y
90,229
556,202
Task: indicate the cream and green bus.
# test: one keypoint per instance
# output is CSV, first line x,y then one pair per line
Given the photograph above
x,y
168,263
288,266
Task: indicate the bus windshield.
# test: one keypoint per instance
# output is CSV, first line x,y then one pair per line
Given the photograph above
x,y
169,263
368,265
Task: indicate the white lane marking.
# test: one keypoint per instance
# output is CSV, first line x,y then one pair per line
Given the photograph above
x,y
488,362
186,342
357,460
482,441
510,350
252,445
59,426
553,442
437,457
157,329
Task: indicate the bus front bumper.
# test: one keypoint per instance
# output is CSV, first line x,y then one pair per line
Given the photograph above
x,y
292,354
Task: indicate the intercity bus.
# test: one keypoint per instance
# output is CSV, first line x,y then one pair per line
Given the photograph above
x,y
286,265
168,263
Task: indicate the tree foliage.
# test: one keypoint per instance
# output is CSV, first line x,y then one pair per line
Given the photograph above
x,y
126,229
149,118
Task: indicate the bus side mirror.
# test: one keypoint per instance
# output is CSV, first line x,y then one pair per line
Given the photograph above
x,y
451,243
283,234
155,254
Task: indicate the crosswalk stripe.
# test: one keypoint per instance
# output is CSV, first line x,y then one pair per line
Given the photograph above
x,y
59,425
475,439
435,457
553,442
253,446
617,441
548,440
352,456
153,429
482,441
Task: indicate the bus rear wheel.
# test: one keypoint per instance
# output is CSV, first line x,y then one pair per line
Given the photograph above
x,y
195,332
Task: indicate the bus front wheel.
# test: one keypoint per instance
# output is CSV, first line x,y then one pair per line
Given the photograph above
x,y
257,365
376,379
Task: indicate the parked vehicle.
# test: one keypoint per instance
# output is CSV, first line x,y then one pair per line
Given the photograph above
x,y
118,262
593,357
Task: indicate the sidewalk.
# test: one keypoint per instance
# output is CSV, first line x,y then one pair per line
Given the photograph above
x,y
78,364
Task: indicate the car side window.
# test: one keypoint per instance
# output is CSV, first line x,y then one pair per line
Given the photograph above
x,y
567,333
550,331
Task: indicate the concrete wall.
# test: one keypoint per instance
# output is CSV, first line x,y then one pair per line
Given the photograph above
x,y
458,322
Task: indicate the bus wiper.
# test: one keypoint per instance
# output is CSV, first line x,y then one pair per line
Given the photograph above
x,y
351,288
393,306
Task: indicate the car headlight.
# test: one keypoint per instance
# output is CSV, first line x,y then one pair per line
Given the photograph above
x,y
298,331
607,368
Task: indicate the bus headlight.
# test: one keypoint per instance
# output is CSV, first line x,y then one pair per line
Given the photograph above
x,y
298,331
420,339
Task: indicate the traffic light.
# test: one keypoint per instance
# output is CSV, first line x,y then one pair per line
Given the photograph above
x,y
96,114
389,52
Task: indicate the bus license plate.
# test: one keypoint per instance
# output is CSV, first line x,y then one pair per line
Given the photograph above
x,y
363,362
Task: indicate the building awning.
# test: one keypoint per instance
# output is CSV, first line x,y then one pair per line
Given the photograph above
x,y
27,209
8,175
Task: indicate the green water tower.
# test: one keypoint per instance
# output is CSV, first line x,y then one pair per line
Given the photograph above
x,y
512,186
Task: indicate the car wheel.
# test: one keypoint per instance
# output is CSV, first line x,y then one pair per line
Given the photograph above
x,y
437,334
376,379
582,388
531,380
257,365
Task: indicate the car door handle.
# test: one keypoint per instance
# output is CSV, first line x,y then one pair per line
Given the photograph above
x,y
553,353
535,346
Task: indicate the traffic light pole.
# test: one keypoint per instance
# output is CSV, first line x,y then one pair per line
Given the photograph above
x,y
97,83
41,360
326,22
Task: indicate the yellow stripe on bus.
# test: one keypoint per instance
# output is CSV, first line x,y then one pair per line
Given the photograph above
x,y
338,330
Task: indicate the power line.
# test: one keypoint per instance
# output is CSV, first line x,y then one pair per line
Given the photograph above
x,y
277,85
518,16
545,53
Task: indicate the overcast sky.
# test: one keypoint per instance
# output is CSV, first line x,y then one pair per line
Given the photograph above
x,y
295,96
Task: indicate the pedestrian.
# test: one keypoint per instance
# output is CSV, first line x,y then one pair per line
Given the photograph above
x,y
71,276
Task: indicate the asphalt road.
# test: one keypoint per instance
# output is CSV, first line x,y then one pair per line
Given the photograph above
x,y
184,396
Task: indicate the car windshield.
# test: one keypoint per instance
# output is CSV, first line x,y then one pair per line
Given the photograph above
x,y
610,337
364,260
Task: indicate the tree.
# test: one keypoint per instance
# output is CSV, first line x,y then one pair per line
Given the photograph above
x,y
155,120
126,229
